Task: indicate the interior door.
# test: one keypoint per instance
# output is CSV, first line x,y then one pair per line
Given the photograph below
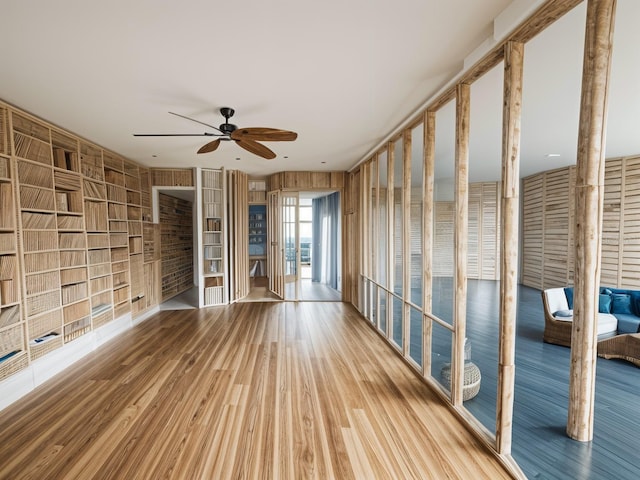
x,y
290,245
274,241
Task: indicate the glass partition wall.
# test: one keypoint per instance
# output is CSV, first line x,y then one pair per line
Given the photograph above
x,y
410,204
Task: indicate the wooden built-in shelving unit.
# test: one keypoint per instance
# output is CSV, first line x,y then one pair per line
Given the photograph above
x,y
213,262
13,348
77,249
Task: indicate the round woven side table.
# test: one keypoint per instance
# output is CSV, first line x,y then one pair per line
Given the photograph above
x,y
472,379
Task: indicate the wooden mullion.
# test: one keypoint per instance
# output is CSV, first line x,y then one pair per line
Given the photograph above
x,y
429,151
589,209
390,227
509,241
406,241
460,239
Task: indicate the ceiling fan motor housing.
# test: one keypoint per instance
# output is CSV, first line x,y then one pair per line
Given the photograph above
x,y
227,128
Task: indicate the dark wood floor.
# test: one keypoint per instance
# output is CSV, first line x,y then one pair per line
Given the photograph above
x,y
254,390
541,446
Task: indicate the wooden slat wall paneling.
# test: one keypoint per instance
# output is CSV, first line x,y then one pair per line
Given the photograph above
x,y
306,181
490,231
533,230
238,227
612,225
556,228
630,228
176,245
172,177
571,225
474,263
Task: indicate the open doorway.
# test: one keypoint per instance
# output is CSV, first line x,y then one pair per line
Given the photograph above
x,y
313,250
175,213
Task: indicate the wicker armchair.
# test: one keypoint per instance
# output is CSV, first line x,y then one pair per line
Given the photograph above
x,y
555,331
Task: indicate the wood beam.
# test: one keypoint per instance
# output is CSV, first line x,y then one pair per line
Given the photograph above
x,y
460,240
589,206
509,240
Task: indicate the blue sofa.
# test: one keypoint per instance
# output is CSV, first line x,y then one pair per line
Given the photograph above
x,y
619,313
625,306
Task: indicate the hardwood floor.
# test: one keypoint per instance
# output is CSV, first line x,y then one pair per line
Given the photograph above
x,y
540,444
252,390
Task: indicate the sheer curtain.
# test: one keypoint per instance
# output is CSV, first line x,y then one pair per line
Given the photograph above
x,y
325,256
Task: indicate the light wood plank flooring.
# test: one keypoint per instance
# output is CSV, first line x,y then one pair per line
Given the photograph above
x,y
252,390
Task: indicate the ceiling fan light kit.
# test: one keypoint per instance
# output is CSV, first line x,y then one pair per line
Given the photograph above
x,y
247,138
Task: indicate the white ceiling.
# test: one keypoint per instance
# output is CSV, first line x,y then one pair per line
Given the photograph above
x,y
341,74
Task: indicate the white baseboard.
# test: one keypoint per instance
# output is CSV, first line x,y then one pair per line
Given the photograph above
x,y
39,371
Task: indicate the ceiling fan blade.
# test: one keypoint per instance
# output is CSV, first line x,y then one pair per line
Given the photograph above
x,y
209,147
194,120
256,148
206,134
264,134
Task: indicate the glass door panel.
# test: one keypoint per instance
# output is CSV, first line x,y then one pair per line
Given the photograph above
x,y
291,252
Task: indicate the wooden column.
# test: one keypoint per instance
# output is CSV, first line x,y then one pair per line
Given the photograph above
x,y
509,210
406,240
589,204
429,155
375,244
365,238
460,240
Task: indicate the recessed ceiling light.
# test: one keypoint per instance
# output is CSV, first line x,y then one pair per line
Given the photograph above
x,y
550,155
323,162
237,158
154,156
285,156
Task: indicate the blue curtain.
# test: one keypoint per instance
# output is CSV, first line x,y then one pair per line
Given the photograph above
x,y
326,236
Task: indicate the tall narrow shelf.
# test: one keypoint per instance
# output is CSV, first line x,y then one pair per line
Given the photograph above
x,y
257,239
72,239
98,241
134,221
150,242
118,233
213,263
13,351
40,243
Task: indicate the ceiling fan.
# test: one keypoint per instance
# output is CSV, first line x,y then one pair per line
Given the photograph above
x,y
246,138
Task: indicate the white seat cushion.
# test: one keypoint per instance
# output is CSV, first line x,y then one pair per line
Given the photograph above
x,y
556,299
607,323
